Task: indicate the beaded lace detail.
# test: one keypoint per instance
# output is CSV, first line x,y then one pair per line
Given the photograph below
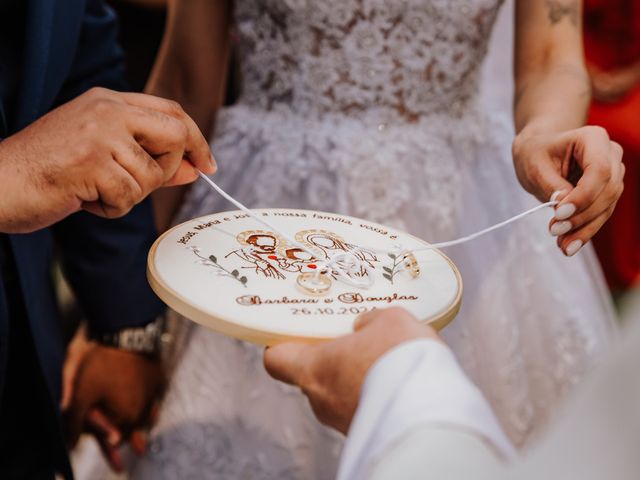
x,y
410,57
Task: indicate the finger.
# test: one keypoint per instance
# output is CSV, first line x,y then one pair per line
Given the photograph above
x,y
592,153
112,455
549,183
608,197
100,425
365,319
161,135
573,242
117,190
145,170
285,362
186,173
138,441
74,421
154,413
390,314
196,148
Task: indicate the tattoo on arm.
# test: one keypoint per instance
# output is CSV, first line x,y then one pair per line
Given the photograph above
x,y
559,9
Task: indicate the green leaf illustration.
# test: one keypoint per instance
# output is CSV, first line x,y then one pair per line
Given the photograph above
x,y
243,280
387,276
213,259
235,273
387,269
392,256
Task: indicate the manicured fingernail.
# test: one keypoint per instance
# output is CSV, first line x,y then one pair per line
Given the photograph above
x,y
573,248
213,163
560,228
556,194
565,211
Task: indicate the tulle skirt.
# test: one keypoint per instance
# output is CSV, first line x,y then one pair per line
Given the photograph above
x,y
532,321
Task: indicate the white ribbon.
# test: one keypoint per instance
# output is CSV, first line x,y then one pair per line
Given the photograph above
x,y
344,263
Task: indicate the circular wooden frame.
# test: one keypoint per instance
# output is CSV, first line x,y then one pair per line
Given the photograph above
x,y
230,328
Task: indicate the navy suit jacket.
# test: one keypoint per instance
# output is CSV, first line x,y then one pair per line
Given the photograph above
x,y
70,46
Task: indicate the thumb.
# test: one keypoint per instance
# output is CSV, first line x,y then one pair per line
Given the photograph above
x,y
138,441
186,173
69,373
76,353
365,319
102,426
550,184
558,182
543,166
286,361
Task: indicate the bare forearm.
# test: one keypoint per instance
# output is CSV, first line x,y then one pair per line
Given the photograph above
x,y
553,101
552,84
191,67
554,155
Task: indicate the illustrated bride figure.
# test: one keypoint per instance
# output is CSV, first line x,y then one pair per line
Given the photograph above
x,y
331,244
372,108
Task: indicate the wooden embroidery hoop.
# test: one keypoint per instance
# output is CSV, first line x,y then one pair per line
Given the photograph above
x,y
169,289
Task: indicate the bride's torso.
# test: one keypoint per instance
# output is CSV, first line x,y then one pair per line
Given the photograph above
x,y
369,108
364,107
404,58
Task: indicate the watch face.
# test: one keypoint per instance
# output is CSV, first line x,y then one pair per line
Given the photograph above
x,y
308,278
139,339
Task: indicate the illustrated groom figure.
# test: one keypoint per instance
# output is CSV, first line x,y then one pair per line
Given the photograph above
x,y
65,147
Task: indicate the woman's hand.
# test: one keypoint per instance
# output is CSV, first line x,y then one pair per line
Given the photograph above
x,y
584,166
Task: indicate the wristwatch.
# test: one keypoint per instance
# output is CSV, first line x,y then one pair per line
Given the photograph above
x,y
149,339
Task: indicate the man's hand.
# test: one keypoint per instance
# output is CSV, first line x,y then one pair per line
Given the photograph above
x,y
110,393
331,374
102,152
585,166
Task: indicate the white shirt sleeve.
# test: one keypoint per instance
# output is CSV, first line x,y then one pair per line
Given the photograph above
x,y
415,384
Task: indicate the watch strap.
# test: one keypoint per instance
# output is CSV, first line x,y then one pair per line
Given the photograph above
x,y
147,339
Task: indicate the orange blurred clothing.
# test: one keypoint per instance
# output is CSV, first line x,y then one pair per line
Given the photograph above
x,y
612,42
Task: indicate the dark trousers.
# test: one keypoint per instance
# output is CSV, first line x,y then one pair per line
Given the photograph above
x,y
30,441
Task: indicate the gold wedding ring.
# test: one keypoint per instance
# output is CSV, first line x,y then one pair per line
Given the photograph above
x,y
411,265
313,283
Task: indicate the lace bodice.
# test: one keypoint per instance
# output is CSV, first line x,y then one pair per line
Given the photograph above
x,y
411,57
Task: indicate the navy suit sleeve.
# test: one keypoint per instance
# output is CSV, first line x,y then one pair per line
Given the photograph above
x,y
105,260
105,263
99,61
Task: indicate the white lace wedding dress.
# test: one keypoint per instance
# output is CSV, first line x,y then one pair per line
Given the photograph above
x,y
371,108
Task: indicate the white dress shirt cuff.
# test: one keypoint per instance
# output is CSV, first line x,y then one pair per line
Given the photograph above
x,y
413,385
